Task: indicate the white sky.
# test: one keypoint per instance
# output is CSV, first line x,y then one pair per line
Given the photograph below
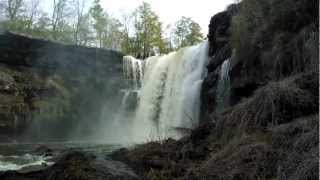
x,y
169,11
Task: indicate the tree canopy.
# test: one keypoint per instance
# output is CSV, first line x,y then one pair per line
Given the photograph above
x,y
187,32
139,33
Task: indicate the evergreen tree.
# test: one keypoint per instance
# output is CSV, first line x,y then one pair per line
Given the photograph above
x,y
99,19
187,33
148,35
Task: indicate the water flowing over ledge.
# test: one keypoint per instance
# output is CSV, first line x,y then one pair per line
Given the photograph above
x,y
169,97
223,87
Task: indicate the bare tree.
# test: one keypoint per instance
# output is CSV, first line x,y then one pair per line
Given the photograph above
x,y
11,8
2,9
32,12
85,35
126,21
59,13
79,6
11,11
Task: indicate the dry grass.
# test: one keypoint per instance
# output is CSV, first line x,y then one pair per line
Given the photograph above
x,y
274,104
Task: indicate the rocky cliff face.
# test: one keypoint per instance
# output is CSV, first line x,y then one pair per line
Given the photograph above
x,y
219,50
262,47
274,75
45,84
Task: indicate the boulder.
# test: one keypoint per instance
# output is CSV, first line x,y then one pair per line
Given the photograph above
x,y
82,166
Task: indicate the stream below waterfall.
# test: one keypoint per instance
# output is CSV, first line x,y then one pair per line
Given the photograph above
x,y
20,156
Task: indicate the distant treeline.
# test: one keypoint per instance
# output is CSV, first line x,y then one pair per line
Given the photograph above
x,y
139,33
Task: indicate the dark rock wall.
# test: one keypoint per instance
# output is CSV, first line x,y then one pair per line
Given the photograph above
x,y
219,50
52,87
270,130
279,40
268,41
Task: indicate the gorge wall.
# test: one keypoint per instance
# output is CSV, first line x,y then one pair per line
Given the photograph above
x,y
46,87
264,42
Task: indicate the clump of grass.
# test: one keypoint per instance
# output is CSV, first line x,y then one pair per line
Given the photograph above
x,y
277,103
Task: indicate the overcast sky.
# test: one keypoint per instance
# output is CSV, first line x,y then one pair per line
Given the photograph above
x,y
169,11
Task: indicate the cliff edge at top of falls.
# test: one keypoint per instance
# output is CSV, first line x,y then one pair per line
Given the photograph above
x,y
54,86
269,126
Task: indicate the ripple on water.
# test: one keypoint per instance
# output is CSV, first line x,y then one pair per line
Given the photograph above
x,y
22,161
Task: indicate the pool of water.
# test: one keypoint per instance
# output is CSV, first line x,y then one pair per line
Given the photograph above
x,y
16,156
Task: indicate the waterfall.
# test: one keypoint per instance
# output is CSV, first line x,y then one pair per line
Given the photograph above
x,y
169,100
133,71
223,87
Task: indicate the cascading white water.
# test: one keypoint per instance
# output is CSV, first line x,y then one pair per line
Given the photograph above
x,y
170,93
125,96
15,162
223,88
133,71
